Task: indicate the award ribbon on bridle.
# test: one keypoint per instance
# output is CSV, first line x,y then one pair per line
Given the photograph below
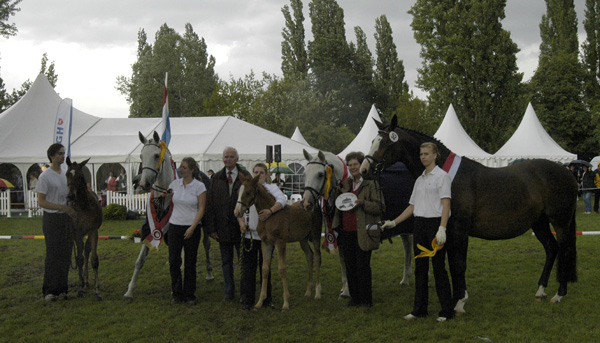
x,y
429,253
163,151
327,182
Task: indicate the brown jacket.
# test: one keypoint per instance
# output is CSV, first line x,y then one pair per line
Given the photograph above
x,y
369,213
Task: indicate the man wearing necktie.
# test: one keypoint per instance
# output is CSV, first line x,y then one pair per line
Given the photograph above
x,y
225,226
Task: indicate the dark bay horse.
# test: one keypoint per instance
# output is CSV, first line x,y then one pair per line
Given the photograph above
x,y
290,224
86,222
494,203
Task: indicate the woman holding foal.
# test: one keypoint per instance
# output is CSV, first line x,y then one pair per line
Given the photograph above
x,y
354,240
430,204
189,203
251,243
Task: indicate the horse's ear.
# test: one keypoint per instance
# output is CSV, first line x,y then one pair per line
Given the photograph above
x,y
142,138
84,162
156,137
244,177
379,124
394,123
307,155
321,156
255,179
68,161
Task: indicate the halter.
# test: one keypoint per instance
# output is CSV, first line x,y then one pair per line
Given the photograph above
x,y
250,202
377,163
163,150
326,185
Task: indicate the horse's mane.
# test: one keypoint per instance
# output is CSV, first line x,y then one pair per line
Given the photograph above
x,y
263,192
426,138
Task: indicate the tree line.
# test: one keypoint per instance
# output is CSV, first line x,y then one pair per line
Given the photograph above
x,y
328,84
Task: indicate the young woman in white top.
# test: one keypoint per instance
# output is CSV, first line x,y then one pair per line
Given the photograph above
x,y
251,244
188,195
430,204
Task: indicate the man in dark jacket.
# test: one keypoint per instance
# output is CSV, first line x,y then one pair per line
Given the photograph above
x,y
225,227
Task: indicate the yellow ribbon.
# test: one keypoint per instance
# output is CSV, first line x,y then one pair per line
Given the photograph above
x,y
327,183
429,253
163,151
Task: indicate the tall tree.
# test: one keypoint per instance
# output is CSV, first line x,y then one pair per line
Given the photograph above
x,y
591,63
191,82
469,61
558,81
294,59
389,69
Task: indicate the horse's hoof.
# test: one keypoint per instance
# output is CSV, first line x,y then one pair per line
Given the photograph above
x,y
98,297
459,313
556,299
210,277
127,298
308,294
539,299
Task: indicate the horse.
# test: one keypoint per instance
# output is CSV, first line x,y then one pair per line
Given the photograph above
x,y
493,204
290,224
315,175
86,222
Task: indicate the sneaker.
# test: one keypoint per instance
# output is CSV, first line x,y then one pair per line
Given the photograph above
x,y
410,316
441,319
50,297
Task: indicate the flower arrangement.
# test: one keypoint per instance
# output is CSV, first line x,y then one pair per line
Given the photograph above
x,y
136,235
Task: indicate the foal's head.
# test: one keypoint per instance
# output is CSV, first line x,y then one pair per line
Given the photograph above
x,y
246,194
76,178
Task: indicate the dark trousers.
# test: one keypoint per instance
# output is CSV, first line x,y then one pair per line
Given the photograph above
x,y
59,244
425,231
183,289
227,265
251,254
358,268
596,199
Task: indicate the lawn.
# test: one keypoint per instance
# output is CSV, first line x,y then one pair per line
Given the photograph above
x,y
501,278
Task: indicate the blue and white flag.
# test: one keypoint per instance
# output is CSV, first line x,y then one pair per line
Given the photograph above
x,y
166,123
62,127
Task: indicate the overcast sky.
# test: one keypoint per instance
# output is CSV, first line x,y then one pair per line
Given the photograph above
x,y
93,42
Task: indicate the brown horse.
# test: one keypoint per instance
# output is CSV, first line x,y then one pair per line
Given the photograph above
x,y
86,222
291,224
493,203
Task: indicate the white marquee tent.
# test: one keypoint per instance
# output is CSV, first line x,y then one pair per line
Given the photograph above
x,y
297,136
362,141
26,132
454,136
530,140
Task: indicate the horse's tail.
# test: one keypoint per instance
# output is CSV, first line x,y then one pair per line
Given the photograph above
x,y
567,253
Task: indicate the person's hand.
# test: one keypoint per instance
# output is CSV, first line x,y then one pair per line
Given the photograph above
x,y
69,210
243,227
189,232
359,202
441,236
214,236
265,214
388,224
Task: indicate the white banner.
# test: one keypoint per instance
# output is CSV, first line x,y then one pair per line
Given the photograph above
x,y
62,127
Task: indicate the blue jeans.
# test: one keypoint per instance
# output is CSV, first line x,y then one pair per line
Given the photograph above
x,y
587,201
227,263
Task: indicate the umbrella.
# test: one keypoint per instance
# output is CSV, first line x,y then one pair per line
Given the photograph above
x,y
6,184
581,163
281,170
276,164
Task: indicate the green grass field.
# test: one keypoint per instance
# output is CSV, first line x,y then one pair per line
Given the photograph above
x,y
501,278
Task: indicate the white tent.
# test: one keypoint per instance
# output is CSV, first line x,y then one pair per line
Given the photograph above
x,y
362,141
297,136
26,132
454,136
530,140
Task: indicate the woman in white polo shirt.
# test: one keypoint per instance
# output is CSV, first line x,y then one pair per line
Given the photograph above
x,y
430,204
189,203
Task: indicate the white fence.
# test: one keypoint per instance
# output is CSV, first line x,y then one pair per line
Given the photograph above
x,y
33,209
5,203
133,202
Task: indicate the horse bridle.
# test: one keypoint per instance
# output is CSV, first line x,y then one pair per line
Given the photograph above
x,y
156,171
317,194
378,164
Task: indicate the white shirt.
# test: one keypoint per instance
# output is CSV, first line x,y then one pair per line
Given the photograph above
x,y
253,214
185,201
54,186
428,192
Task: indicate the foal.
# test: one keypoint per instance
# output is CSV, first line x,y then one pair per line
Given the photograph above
x,y
86,222
291,224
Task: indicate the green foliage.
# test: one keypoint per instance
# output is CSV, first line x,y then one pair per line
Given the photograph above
x,y
114,212
501,278
559,82
294,60
8,8
191,82
469,61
